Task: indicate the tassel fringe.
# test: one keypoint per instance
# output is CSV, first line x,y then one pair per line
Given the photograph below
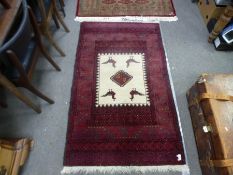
x,y
140,19
123,170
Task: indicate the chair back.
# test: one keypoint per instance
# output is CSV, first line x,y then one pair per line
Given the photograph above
x,y
20,33
18,39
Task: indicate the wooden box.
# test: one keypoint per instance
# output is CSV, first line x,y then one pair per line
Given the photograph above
x,y
13,154
210,10
211,107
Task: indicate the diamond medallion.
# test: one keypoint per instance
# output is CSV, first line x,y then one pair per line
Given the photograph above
x,y
121,78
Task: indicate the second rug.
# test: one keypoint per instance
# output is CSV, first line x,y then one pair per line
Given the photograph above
x,y
125,10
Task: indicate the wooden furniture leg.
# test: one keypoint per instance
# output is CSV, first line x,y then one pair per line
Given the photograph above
x,y
34,90
49,58
48,35
60,18
5,4
62,2
24,81
45,27
62,5
56,21
221,23
11,87
41,46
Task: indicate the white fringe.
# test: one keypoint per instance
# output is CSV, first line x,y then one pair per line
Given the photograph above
x,y
125,169
140,19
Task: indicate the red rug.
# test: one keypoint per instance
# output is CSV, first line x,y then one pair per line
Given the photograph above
x,y
125,10
122,110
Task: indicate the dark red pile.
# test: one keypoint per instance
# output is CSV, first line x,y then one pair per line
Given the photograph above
x,y
122,135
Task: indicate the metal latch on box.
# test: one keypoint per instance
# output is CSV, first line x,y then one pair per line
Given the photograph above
x,y
207,129
201,80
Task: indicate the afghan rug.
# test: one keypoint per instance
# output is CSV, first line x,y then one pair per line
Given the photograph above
x,y
122,111
125,10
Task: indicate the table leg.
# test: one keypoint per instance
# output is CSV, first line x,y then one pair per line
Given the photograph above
x,y
13,89
221,23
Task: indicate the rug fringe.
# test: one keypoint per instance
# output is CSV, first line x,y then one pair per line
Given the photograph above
x,y
184,169
140,19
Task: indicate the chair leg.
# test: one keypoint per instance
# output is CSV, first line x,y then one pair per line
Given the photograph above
x,y
49,58
45,32
51,40
56,21
11,87
62,2
60,19
63,11
62,5
31,88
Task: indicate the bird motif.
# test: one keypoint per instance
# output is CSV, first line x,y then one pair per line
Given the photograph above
x,y
111,61
131,60
134,92
110,93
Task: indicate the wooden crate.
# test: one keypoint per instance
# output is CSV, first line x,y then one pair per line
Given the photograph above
x,y
13,154
210,10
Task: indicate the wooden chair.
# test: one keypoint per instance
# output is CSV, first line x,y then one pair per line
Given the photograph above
x,y
45,10
19,56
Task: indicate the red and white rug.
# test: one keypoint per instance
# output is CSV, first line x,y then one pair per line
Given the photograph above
x,y
122,114
125,10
